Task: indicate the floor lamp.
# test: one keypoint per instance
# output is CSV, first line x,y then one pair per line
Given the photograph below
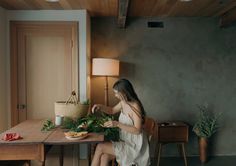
x,y
105,67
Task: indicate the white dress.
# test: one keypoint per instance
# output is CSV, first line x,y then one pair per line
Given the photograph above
x,y
132,149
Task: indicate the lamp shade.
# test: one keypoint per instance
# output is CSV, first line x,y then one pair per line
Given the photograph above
x,y
105,67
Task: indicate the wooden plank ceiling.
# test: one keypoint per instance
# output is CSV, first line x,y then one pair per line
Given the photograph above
x,y
225,9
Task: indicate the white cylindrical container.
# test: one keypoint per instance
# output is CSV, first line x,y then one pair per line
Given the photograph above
x,y
58,120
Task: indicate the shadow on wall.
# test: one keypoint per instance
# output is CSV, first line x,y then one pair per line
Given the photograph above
x,y
127,70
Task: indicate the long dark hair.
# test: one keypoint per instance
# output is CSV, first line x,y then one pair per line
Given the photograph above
x,y
126,88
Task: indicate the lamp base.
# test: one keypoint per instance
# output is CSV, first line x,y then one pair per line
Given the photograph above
x,y
106,91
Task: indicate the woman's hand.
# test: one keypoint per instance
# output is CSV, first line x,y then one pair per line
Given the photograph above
x,y
96,107
111,123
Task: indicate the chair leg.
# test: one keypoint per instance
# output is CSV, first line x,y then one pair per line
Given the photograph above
x,y
184,154
159,153
113,162
179,146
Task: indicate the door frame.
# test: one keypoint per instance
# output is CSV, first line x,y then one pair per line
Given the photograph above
x,y
14,27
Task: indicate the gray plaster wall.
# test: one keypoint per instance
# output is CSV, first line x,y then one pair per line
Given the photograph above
x,y
189,62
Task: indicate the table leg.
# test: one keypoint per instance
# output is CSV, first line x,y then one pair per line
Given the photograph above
x,y
78,148
159,153
92,151
89,154
184,154
61,159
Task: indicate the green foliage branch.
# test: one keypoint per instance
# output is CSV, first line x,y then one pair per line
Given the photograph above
x,y
48,125
93,123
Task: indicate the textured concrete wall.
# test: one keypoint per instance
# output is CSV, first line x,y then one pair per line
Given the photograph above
x,y
3,86
189,62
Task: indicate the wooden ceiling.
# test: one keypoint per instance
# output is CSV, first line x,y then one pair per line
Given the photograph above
x,y
225,9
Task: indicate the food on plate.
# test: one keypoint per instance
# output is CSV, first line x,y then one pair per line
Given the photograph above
x,y
76,134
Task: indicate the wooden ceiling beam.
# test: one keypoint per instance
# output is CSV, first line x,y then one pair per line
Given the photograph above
x,y
123,6
6,5
228,18
228,6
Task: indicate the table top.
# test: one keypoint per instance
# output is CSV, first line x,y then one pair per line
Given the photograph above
x,y
58,138
31,132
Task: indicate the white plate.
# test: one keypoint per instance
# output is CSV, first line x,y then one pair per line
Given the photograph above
x,y
76,138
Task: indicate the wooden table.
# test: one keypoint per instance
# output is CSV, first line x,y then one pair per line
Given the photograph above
x,y
34,144
58,138
31,147
172,132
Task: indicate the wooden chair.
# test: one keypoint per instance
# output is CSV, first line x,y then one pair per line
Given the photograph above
x,y
151,129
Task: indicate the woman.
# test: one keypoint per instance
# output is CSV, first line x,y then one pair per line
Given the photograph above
x,y
133,147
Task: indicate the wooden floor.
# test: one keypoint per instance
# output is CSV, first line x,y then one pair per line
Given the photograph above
x,y
21,163
194,161
165,161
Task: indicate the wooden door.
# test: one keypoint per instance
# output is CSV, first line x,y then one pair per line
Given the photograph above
x,y
44,67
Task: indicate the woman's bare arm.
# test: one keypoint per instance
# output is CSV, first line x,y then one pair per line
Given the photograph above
x,y
134,129
106,109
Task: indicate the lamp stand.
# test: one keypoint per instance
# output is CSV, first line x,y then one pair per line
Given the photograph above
x,y
106,91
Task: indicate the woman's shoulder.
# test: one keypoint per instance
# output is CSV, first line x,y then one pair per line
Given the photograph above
x,y
134,106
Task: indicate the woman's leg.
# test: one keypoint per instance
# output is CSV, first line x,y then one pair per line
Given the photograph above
x,y
105,159
102,148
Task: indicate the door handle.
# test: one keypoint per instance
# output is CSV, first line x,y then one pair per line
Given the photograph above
x,y
21,106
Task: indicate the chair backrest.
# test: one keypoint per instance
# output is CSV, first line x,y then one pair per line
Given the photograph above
x,y
150,127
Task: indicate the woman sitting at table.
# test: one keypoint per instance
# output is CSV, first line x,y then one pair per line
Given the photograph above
x,y
133,147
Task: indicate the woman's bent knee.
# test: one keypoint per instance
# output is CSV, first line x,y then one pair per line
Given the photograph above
x,y
105,157
99,148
